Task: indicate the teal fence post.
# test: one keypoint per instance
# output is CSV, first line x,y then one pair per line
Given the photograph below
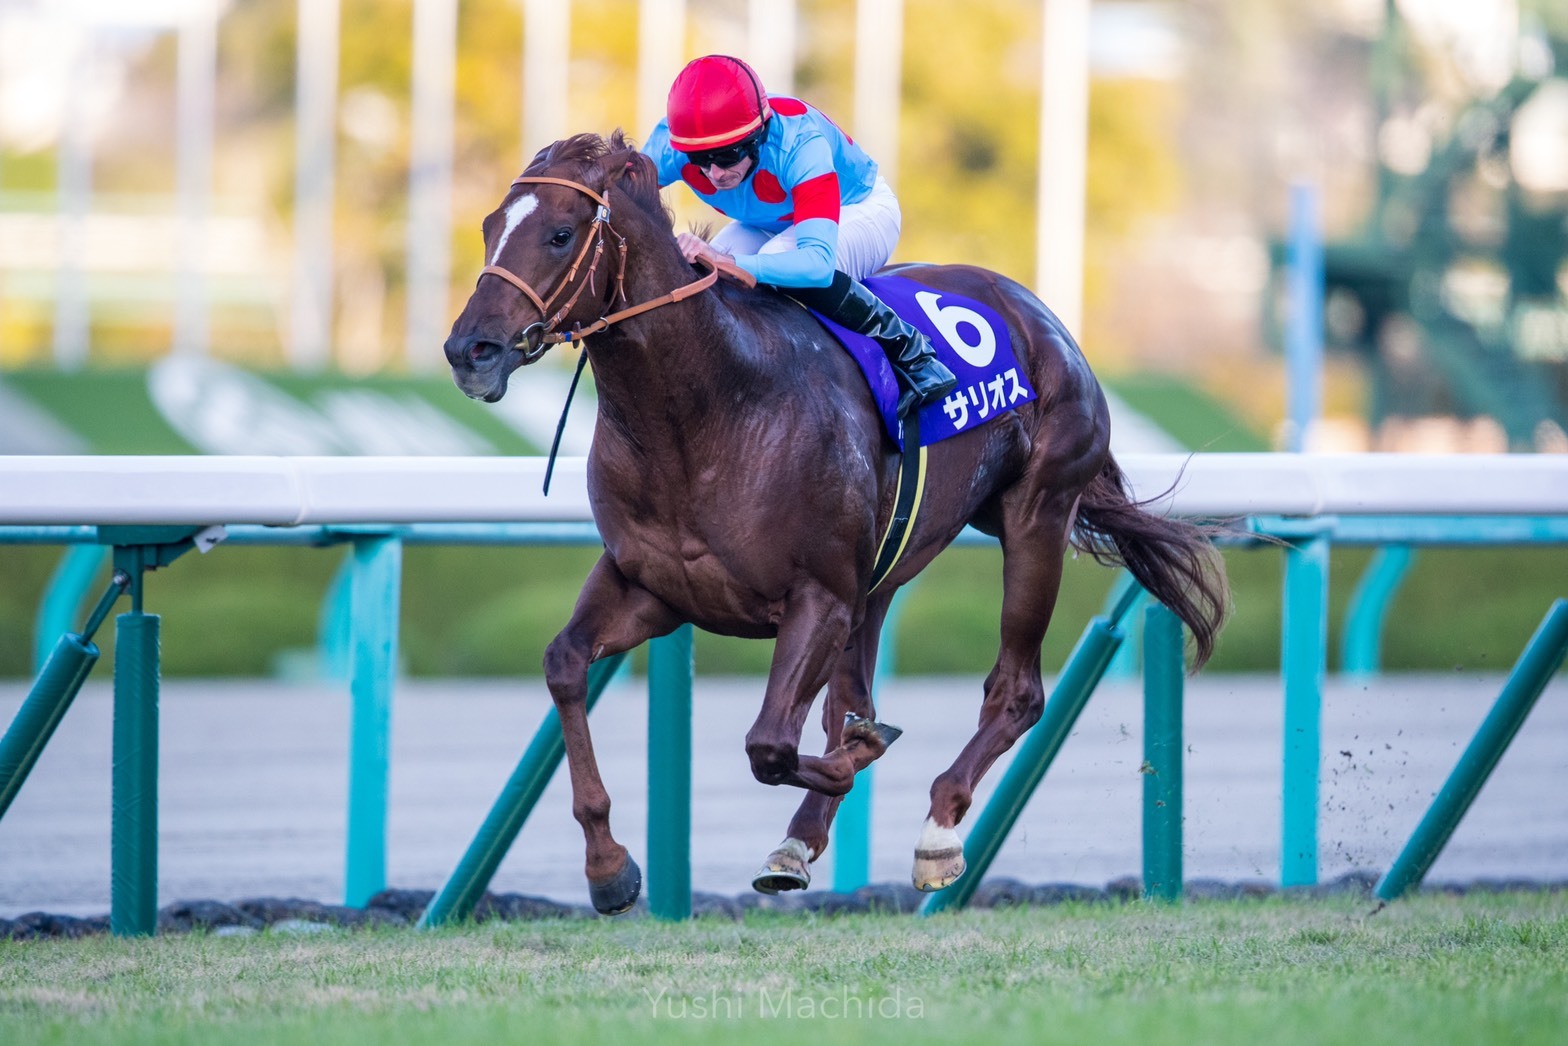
x,y
468,881
1163,675
133,844
1305,657
133,832
335,625
852,821
374,592
1542,657
1361,644
67,585
1082,672
669,775
852,835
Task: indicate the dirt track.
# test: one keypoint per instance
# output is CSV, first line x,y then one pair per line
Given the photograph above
x,y
254,784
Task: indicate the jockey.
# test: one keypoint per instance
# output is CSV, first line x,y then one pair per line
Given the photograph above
x,y
811,215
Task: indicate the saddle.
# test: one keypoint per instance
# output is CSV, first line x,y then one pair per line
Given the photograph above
x,y
969,336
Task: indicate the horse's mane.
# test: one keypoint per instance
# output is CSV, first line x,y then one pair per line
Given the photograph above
x,y
599,162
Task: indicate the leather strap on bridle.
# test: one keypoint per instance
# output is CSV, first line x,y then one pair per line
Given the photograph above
x,y
601,223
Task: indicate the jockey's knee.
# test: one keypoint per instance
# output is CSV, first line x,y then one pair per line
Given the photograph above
x,y
772,763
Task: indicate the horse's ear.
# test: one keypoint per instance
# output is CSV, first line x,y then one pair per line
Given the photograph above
x,y
629,168
540,158
639,173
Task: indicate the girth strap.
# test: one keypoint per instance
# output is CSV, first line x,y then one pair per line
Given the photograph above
x,y
906,501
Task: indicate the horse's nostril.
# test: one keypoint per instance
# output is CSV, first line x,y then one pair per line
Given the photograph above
x,y
480,351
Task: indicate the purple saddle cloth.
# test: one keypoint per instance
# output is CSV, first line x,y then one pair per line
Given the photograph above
x,y
968,336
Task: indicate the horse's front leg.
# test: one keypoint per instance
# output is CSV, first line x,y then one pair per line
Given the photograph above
x,y
812,634
612,615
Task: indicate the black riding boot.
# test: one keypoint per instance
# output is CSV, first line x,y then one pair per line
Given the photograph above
x,y
922,378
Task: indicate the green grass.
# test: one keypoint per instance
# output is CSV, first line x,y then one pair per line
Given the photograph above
x,y
112,410
108,408
1483,968
1191,416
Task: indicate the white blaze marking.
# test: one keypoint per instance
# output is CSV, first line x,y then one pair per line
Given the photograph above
x,y
521,208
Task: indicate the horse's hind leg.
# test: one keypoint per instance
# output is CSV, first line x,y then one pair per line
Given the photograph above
x,y
848,713
1033,547
612,615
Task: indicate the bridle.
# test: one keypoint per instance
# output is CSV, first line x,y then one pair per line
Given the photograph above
x,y
546,324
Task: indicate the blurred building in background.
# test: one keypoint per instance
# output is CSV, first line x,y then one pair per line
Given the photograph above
x,y
191,186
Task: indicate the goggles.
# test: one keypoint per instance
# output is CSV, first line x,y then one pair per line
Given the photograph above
x,y
726,157
731,154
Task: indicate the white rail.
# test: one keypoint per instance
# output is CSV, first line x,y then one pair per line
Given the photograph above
x,y
287,491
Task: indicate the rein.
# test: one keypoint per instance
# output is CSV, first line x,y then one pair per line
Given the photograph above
x,y
601,223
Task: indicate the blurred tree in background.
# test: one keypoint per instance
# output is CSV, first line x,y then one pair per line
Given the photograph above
x,y
1192,147
967,173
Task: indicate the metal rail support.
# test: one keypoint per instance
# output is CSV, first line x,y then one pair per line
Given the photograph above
x,y
59,681
1305,659
1164,671
669,775
133,844
1541,659
1361,646
852,822
1124,666
375,587
455,901
67,587
133,834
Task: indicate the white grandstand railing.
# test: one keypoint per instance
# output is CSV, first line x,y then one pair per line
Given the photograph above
x,y
289,491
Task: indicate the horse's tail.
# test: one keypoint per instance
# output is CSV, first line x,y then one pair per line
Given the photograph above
x,y
1173,560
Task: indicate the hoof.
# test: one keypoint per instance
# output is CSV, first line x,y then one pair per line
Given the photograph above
x,y
939,858
861,728
931,876
619,892
787,868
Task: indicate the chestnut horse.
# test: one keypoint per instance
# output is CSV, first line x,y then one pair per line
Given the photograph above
x,y
741,479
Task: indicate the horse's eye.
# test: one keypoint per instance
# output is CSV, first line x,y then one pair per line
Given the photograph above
x,y
561,238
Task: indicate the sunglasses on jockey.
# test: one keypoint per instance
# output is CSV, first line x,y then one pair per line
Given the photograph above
x,y
730,155
727,157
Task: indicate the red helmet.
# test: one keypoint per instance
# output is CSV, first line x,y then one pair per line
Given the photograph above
x,y
714,102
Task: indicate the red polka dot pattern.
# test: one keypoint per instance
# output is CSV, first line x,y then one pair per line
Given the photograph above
x,y
692,175
766,185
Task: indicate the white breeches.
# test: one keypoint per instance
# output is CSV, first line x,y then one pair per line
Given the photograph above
x,y
867,233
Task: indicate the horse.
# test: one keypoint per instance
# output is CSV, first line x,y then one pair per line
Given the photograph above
x,y
740,478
